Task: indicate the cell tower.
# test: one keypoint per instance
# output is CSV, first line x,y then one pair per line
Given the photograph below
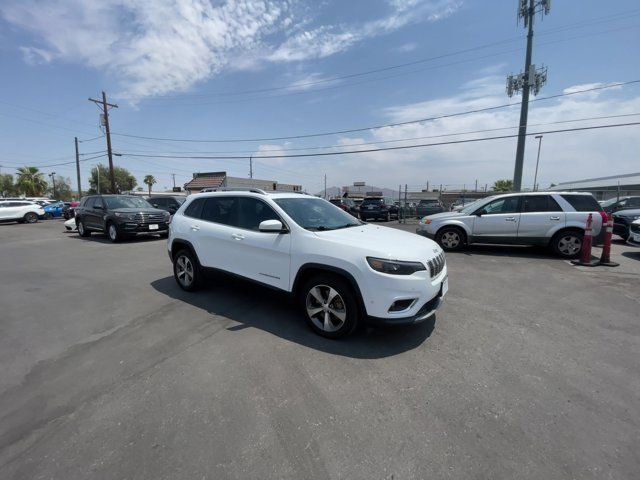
x,y
531,79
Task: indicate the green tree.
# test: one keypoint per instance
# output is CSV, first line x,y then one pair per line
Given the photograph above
x,y
31,182
7,188
503,186
125,181
63,188
149,180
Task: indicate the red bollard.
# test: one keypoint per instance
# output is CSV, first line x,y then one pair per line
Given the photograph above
x,y
605,259
585,254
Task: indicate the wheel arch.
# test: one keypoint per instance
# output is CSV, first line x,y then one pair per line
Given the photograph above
x,y
307,270
564,229
180,244
460,226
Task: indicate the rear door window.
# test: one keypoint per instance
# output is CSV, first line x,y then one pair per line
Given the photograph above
x,y
583,203
194,210
539,203
222,210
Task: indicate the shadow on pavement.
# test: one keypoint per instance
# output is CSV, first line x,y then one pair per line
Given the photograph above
x,y
508,251
275,312
102,238
632,255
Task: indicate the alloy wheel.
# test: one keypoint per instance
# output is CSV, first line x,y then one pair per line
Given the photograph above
x,y
326,308
113,233
184,271
450,239
569,245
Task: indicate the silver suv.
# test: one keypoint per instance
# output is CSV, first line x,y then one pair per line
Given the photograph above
x,y
557,220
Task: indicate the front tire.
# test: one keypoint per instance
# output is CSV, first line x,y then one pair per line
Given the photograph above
x,y
82,230
30,217
113,233
567,244
329,305
451,239
186,271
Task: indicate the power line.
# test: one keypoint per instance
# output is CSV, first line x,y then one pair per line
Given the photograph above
x,y
376,127
68,163
401,147
257,154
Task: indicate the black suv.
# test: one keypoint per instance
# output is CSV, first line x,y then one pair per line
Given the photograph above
x,y
167,203
622,220
119,216
428,206
623,203
378,208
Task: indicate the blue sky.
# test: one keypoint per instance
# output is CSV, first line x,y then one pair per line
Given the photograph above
x,y
194,69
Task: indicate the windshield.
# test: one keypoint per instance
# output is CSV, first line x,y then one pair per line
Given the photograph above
x,y
316,214
473,205
373,201
609,202
126,202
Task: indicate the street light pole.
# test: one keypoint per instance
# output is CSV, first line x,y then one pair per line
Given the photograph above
x,y
535,178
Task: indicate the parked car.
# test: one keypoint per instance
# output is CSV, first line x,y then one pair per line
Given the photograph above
x,y
341,271
70,224
557,220
346,204
168,203
622,220
20,211
428,206
378,208
634,233
68,211
623,203
53,210
120,217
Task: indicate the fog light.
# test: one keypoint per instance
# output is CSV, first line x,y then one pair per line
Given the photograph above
x,y
400,305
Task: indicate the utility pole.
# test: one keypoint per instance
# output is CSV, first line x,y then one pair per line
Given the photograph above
x,y
325,186
105,119
98,172
476,186
173,175
53,183
250,167
78,169
535,178
530,79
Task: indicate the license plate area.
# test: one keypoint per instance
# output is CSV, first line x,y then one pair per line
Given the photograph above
x,y
153,227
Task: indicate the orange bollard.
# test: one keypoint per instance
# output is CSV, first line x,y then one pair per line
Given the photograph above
x,y
585,254
605,258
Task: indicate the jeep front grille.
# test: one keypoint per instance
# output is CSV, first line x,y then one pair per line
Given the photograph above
x,y
436,265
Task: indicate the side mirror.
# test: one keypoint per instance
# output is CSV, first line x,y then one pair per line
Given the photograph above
x,y
154,205
271,226
481,212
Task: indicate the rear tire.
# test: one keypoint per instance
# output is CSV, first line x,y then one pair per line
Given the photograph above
x,y
329,305
451,238
30,217
82,230
567,244
186,271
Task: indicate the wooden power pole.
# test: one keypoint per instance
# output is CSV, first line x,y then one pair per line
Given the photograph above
x,y
78,170
105,116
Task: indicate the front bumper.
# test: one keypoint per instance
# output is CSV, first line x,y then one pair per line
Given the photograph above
x,y
134,227
621,229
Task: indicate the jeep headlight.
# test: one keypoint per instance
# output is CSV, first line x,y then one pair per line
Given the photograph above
x,y
394,267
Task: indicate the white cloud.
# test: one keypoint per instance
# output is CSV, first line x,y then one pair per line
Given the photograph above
x,y
158,46
407,47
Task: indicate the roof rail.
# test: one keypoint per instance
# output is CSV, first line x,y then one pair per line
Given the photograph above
x,y
233,189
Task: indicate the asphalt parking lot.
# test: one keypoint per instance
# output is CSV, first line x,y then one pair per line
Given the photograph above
x,y
109,371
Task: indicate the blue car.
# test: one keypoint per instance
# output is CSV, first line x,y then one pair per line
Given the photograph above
x,y
53,210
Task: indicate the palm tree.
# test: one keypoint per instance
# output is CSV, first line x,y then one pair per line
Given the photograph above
x,y
149,181
503,186
31,181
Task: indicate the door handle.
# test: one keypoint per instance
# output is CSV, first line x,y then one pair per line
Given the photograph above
x,y
510,219
195,228
237,236
554,218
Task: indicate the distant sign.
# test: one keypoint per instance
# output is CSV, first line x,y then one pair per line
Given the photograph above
x,y
177,189
359,184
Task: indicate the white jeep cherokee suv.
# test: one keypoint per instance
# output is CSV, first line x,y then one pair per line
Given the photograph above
x,y
554,219
342,270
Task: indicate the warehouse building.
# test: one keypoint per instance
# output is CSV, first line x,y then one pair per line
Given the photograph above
x,y
222,180
604,188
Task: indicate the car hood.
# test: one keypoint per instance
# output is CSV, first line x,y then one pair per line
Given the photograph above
x,y
627,213
445,215
138,210
384,242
